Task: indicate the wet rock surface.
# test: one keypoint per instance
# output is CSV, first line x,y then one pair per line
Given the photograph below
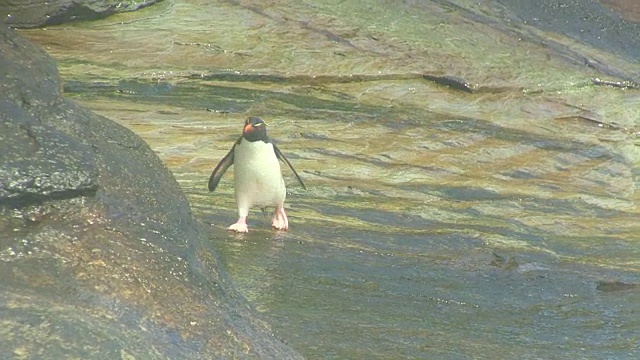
x,y
100,257
592,22
39,163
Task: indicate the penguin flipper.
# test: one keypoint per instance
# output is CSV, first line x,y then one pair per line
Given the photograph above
x,y
220,169
280,156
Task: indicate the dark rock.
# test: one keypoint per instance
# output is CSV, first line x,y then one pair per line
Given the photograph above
x,y
36,13
615,286
452,82
100,257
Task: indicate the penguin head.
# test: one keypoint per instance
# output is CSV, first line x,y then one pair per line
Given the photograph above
x,y
255,129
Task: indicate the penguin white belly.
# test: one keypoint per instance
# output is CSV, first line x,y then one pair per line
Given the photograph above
x,y
258,178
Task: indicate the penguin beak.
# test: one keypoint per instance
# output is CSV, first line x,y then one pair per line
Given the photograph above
x,y
249,127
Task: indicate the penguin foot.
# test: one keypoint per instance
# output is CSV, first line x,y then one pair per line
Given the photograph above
x,y
240,226
280,221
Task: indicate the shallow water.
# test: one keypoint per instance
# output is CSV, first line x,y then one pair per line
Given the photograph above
x,y
438,223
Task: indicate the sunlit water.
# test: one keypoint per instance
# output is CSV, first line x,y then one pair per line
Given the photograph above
x,y
438,223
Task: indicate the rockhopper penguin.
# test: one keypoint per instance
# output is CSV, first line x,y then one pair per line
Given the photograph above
x,y
258,179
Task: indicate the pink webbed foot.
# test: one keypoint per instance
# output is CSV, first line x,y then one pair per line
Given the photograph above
x,y
240,226
280,221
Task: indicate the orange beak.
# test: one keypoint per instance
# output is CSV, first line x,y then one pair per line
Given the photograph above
x,y
248,128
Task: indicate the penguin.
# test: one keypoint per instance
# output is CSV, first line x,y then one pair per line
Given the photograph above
x,y
258,178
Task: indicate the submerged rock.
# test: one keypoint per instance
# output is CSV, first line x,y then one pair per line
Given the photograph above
x,y
35,13
100,256
615,286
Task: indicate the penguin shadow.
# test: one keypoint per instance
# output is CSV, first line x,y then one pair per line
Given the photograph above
x,y
260,246
260,235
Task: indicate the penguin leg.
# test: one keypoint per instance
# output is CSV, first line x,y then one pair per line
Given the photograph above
x,y
241,225
280,221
